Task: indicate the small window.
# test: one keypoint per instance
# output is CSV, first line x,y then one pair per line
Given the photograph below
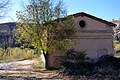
x,y
82,23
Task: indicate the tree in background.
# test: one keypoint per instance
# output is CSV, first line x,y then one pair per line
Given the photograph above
x,y
4,7
44,25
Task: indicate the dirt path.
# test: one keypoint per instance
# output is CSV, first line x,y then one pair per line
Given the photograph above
x,y
24,69
17,65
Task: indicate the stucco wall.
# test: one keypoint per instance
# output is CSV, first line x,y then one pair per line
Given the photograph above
x,y
95,47
96,38
92,24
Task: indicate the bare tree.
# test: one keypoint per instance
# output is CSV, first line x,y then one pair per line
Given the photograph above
x,y
4,7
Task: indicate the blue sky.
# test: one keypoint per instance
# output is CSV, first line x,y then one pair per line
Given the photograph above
x,y
105,9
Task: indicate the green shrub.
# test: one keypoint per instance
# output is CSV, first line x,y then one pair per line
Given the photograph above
x,y
115,43
75,55
117,51
117,47
75,63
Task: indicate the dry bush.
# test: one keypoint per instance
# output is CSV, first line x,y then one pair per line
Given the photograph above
x,y
16,54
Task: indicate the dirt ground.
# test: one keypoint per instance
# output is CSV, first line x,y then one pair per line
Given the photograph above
x,y
24,69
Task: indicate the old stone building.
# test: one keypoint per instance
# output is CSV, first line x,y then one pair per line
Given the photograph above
x,y
95,36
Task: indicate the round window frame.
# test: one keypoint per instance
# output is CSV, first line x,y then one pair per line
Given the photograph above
x,y
82,23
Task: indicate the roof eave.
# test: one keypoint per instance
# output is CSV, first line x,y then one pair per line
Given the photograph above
x,y
93,17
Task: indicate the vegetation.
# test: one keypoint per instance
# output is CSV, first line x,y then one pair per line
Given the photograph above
x,y
115,43
39,64
42,26
74,63
13,54
117,48
105,67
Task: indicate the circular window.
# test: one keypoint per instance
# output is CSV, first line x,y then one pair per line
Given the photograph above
x,y
82,24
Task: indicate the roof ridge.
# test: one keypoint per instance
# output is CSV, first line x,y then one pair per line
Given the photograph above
x,y
94,17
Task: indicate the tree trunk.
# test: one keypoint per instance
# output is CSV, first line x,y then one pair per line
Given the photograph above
x,y
46,59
